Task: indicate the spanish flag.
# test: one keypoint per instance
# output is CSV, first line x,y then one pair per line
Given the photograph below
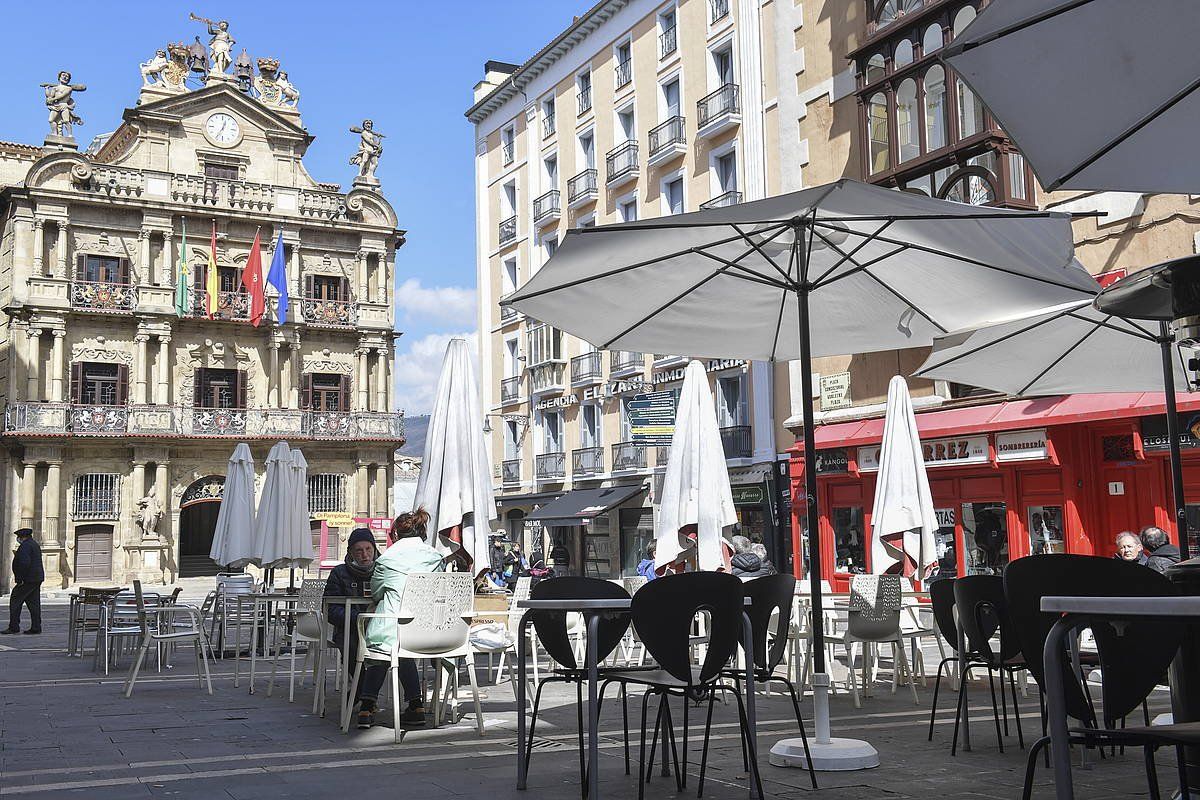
x,y
212,283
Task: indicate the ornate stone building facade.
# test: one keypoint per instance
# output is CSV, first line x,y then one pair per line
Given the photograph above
x,y
123,398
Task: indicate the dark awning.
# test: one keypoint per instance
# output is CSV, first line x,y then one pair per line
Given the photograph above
x,y
578,506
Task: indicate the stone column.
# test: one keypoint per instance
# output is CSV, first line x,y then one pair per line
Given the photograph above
x,y
294,377
39,245
274,380
379,508
50,532
363,487
361,388
60,252
381,279
389,477
33,358
28,492
145,267
139,481
360,278
381,379
166,268
161,489
162,395
140,368
57,366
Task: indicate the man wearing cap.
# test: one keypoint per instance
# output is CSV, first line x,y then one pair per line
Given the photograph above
x,y
28,575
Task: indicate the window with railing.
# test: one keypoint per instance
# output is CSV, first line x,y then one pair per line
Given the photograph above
x,y
667,43
624,72
222,171
667,134
719,9
219,388
715,105
584,87
508,145
546,205
326,493
510,389
620,360
581,185
97,495
545,344
508,230
99,384
622,160
232,302
325,391
585,367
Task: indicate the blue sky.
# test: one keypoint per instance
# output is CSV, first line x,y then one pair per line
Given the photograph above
x,y
408,65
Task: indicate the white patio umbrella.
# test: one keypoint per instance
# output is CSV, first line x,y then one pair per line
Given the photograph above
x,y
903,522
279,539
233,538
297,542
1137,133
455,485
695,489
836,269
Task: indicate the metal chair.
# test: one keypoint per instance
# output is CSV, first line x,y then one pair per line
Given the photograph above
x,y
307,627
120,627
152,634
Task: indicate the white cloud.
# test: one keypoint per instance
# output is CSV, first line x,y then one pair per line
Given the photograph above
x,y
455,303
418,367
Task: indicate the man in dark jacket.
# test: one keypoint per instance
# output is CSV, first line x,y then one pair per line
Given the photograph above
x,y
1160,553
28,575
748,564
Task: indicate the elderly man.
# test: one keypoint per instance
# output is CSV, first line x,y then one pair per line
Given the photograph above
x,y
1129,548
28,575
1160,553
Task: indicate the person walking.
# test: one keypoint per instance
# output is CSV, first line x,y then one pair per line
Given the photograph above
x,y
28,575
1160,553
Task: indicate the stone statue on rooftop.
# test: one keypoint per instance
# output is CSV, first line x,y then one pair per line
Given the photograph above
x,y
220,46
152,70
61,103
370,148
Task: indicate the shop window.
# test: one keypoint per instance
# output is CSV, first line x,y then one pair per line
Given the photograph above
x,y
597,549
947,551
850,543
1045,529
877,122
637,532
985,537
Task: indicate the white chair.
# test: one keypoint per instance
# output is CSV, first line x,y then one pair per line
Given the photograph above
x,y
307,627
873,619
434,622
169,632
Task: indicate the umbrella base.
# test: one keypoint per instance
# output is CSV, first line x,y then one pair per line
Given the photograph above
x,y
835,755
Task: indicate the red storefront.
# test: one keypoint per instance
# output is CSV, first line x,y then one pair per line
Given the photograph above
x,y
1058,474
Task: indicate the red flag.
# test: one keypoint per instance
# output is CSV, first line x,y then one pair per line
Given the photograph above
x,y
252,280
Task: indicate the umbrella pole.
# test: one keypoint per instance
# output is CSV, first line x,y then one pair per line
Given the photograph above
x,y
1166,342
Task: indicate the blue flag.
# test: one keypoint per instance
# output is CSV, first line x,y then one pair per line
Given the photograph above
x,y
277,277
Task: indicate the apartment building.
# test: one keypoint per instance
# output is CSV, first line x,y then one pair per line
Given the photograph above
x,y
122,402
637,110
864,95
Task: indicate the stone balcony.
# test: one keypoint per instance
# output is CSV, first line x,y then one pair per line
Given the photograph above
x,y
76,420
329,313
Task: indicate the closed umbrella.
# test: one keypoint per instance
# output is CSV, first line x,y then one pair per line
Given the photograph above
x,y
297,542
695,491
233,537
455,485
1137,133
277,541
841,268
903,523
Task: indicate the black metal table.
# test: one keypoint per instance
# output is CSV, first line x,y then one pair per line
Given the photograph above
x,y
592,611
1076,611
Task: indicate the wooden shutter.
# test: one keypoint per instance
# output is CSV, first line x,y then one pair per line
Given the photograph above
x,y
344,289
309,286
123,271
240,384
122,384
76,383
306,392
81,267
344,394
200,383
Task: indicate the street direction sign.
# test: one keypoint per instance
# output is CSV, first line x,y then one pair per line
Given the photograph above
x,y
652,418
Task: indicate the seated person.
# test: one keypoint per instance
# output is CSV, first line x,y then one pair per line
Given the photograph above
x,y
1129,548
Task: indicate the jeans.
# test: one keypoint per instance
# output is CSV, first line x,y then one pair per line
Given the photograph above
x,y
28,594
374,674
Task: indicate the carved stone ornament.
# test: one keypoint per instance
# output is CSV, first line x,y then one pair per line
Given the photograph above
x,y
316,364
86,352
103,244
210,487
266,84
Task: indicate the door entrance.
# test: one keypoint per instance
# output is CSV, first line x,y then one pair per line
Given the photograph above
x,y
93,553
198,509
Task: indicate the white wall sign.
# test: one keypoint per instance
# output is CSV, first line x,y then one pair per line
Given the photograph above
x,y
562,401
950,452
835,391
1022,445
712,365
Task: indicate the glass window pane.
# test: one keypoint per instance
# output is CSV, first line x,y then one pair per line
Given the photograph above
x,y
1016,176
964,17
875,68
877,124
947,552
970,111
932,40
1045,529
848,539
935,108
985,537
906,121
903,55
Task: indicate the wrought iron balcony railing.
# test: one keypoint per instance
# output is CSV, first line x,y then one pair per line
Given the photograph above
x,y
628,455
586,368
585,100
548,126
621,161
510,389
722,102
508,151
667,134
624,72
508,229
667,42
548,466
730,198
329,313
720,9
582,186
510,471
622,360
737,441
587,461
546,206
230,305
102,296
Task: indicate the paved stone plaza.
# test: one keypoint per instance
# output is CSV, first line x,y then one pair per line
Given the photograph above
x,y
65,731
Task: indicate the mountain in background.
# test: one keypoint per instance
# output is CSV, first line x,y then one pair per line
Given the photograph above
x,y
414,434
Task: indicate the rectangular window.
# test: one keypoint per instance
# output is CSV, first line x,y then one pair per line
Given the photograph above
x,y
589,425
99,384
507,144
509,204
985,537
732,410
667,42
551,244
625,124
102,269
723,66
545,345
670,91
326,493
326,391
552,432
97,496
220,388
512,363
850,545
587,150
727,172
674,196
629,211
551,163
511,440
510,276
225,172
584,85
327,287
548,121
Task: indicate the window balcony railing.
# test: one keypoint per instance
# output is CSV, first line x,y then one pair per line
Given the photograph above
x,y
230,305
94,419
628,455
510,390
720,9
662,455
102,296
547,207
667,140
548,126
585,369
508,151
329,313
582,188
621,163
546,379
621,361
624,73
508,230
550,466
587,461
510,471
585,100
327,424
737,441
719,110
508,314
730,198
667,42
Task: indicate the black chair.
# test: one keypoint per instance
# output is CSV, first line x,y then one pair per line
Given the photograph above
x,y
772,595
982,612
663,612
552,630
941,596
1133,658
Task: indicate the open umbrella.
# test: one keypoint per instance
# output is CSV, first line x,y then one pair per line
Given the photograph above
x,y
841,268
455,485
903,523
233,537
1136,134
277,540
695,490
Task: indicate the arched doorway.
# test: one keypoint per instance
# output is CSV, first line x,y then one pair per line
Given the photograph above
x,y
198,509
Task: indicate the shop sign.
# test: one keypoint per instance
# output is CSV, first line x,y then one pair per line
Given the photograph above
x,y
951,452
832,462
1022,445
1154,432
835,391
748,495
562,401
652,418
712,365
613,388
336,519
